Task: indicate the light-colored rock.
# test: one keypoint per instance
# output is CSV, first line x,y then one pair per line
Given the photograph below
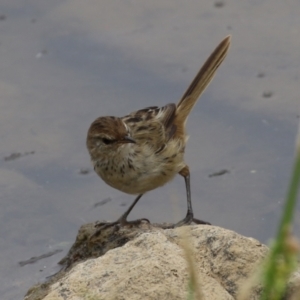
x,y
153,266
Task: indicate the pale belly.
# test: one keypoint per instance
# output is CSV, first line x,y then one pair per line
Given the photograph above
x,y
139,183
141,174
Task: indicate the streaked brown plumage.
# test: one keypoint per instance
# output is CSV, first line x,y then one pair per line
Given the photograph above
x,y
145,149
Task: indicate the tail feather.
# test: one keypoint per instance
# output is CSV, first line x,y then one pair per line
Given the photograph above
x,y
199,84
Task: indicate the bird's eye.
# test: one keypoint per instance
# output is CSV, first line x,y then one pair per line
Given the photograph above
x,y
107,141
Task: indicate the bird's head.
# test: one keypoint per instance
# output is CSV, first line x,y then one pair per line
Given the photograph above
x,y
107,134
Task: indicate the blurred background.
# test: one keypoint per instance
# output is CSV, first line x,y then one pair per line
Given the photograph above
x,y
65,62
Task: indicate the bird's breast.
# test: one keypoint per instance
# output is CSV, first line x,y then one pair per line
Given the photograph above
x,y
141,169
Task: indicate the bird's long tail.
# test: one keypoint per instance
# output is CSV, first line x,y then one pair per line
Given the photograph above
x,y
200,82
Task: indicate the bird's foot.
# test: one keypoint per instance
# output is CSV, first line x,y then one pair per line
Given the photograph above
x,y
189,219
121,222
197,221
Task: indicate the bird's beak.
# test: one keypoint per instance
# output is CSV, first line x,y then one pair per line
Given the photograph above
x,y
128,139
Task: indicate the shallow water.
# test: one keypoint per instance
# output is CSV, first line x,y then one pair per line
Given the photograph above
x,y
64,63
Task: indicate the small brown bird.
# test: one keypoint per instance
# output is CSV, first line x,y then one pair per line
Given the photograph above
x,y
145,149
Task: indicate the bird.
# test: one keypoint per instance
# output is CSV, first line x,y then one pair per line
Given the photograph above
x,y
145,149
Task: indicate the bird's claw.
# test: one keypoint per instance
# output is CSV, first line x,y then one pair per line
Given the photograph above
x,y
117,225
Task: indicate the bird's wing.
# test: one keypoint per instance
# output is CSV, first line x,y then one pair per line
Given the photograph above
x,y
152,124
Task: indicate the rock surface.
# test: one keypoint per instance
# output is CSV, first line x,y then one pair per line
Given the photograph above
x,y
150,263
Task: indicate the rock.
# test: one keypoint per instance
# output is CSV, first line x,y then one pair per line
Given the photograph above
x,y
148,262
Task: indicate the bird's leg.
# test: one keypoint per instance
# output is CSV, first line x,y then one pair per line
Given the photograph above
x,y
189,218
122,221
